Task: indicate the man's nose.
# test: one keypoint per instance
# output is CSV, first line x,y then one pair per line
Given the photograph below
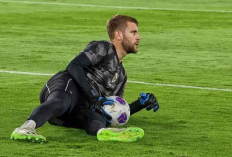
x,y
138,37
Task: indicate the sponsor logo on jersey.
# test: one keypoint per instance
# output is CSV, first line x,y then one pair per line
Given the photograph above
x,y
115,78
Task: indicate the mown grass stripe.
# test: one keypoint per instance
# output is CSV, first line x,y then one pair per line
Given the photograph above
x,y
116,7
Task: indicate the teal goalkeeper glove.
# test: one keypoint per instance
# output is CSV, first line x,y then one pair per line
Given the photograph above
x,y
149,101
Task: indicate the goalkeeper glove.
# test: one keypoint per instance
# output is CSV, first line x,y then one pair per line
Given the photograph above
x,y
149,101
98,107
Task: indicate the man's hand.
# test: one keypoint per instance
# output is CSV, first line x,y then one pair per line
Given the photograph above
x,y
98,107
149,101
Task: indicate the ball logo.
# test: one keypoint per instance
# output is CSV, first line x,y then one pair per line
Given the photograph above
x,y
120,100
122,118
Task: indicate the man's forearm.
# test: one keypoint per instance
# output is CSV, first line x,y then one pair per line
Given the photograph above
x,y
76,70
135,107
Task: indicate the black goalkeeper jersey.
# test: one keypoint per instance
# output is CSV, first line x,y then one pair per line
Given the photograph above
x,y
98,67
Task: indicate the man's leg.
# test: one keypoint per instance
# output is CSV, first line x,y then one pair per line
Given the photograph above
x,y
57,104
95,122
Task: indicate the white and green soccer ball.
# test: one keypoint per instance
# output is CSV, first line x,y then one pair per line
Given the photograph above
x,y
119,111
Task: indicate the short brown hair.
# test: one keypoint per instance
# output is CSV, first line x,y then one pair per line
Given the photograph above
x,y
118,22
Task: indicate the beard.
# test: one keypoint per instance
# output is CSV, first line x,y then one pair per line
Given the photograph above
x,y
128,46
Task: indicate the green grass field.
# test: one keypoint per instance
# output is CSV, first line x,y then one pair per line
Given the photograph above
x,y
183,43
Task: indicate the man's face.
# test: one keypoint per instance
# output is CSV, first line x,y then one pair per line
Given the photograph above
x,y
131,38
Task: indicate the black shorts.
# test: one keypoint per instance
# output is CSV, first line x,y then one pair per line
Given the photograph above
x,y
61,81
77,114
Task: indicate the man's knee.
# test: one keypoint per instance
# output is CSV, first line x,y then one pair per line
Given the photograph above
x,y
60,106
60,100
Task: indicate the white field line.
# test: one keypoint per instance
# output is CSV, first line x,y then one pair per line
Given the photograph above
x,y
136,82
25,73
114,7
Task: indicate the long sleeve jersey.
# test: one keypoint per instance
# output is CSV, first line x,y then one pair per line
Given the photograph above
x,y
97,68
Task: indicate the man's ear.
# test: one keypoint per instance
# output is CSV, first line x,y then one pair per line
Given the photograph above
x,y
118,35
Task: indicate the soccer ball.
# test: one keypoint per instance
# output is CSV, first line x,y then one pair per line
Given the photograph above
x,y
119,111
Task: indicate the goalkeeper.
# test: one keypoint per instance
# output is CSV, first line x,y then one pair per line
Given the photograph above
x,y
74,97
